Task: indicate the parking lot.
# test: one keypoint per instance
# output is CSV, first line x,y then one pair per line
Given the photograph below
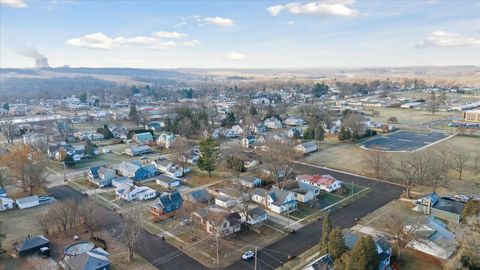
x,y
404,141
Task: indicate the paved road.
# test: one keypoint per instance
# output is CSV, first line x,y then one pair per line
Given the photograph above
x,y
151,247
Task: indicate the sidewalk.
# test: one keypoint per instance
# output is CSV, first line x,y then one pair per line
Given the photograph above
x,y
284,221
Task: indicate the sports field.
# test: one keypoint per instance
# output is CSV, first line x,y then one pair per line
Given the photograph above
x,y
404,141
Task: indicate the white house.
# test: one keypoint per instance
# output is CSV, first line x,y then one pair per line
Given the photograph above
x,y
325,182
294,121
256,216
6,203
131,192
273,123
306,147
225,201
27,202
275,199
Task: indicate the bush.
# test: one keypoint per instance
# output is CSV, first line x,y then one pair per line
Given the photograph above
x,y
393,119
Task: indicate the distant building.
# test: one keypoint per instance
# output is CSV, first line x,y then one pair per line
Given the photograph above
x,y
306,147
471,116
138,150
325,182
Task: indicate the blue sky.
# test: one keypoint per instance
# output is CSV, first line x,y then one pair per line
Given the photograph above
x,y
239,34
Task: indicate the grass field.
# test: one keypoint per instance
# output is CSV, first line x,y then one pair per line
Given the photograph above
x,y
412,117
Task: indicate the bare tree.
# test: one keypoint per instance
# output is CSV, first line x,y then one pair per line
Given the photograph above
x,y
436,171
90,215
44,223
35,170
407,166
3,176
460,156
179,150
476,165
445,158
277,159
8,131
131,228
60,214
354,123
378,162
432,105
402,234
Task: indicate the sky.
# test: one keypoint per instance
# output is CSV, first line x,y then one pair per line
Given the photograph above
x,y
239,34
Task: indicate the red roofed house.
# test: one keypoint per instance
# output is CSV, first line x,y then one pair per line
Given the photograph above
x,y
325,182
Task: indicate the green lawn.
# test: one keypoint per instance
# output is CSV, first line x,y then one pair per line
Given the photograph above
x,y
411,117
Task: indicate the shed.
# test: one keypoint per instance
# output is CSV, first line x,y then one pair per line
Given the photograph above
x,y
27,202
31,245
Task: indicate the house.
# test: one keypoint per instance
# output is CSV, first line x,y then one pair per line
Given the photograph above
x,y
294,121
256,216
437,241
167,204
121,180
442,208
238,129
101,176
260,128
168,181
95,259
325,182
6,202
231,224
142,138
156,125
32,245
295,132
169,168
303,192
247,141
135,170
200,196
130,192
27,202
138,150
384,249
226,198
325,262
273,123
275,199
166,140
251,182
306,147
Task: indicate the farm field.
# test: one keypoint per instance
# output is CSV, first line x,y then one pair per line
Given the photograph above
x,y
412,117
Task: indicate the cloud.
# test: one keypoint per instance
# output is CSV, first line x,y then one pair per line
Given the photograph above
x,y
322,8
14,3
444,39
168,35
275,10
219,21
234,56
191,43
157,41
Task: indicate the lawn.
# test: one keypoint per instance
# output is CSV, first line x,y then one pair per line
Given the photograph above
x,y
411,117
198,178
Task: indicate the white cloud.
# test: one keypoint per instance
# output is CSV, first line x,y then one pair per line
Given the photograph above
x,y
444,39
275,10
168,35
14,3
225,22
158,41
191,43
322,8
234,56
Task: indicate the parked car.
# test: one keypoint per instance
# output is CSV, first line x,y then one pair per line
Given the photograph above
x,y
248,255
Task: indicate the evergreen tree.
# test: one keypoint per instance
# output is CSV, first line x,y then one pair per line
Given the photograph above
x,y
326,229
320,89
253,110
208,155
6,106
319,132
364,255
83,97
89,148
69,161
343,134
134,90
309,134
230,119
336,244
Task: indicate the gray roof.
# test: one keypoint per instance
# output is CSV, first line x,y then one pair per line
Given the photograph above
x,y
88,261
32,242
167,179
449,206
308,144
28,199
257,211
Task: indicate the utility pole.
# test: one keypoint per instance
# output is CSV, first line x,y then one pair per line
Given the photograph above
x,y
352,191
255,268
216,240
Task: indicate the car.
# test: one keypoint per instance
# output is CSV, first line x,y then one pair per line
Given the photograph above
x,y
76,237
143,157
248,255
185,221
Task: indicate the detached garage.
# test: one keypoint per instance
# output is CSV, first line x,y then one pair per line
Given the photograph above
x,y
32,245
27,202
